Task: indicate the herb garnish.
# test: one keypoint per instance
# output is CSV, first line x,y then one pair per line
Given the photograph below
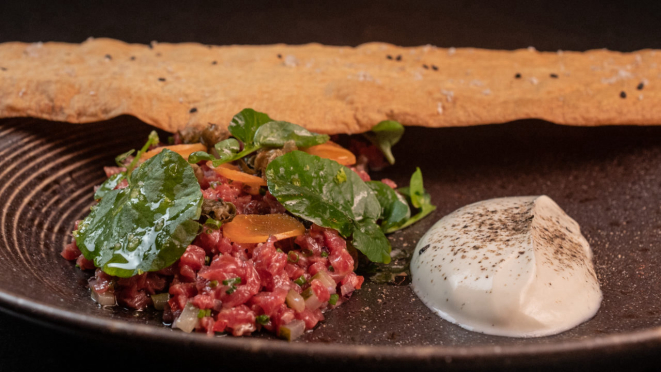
x,y
109,185
148,225
151,140
419,199
384,136
257,130
305,185
394,208
276,133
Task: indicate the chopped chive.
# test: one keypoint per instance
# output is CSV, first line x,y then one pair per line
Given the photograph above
x,y
292,257
324,254
263,319
201,314
279,250
207,259
213,224
230,290
232,281
213,284
333,299
331,269
300,281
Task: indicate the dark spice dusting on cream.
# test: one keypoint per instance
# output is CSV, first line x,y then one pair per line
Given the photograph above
x,y
488,234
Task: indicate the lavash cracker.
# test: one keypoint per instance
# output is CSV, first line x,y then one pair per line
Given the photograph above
x,y
326,89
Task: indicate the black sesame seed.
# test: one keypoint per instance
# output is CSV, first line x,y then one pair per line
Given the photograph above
x,y
640,86
399,57
434,67
161,79
554,76
108,56
193,110
132,58
150,46
3,69
389,56
517,76
425,67
214,62
280,56
423,249
623,94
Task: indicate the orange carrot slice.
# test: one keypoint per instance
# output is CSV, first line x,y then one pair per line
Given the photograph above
x,y
233,173
255,228
333,151
183,150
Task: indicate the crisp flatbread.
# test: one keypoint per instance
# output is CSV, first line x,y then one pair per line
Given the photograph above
x,y
327,89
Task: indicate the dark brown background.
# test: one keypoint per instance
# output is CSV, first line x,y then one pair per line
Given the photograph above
x,y
552,25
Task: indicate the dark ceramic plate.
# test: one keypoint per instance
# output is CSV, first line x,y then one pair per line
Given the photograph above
x,y
608,179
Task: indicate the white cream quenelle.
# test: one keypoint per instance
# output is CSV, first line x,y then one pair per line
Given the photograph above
x,y
516,267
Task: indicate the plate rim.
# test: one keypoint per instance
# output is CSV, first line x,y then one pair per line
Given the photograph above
x,y
66,320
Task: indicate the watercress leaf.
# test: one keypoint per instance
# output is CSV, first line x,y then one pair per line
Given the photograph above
x,y
119,159
424,211
417,190
227,148
108,185
394,208
370,240
198,156
276,133
244,125
148,225
321,191
419,198
384,136
405,191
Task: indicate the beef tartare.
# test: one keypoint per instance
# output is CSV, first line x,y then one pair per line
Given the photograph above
x,y
258,231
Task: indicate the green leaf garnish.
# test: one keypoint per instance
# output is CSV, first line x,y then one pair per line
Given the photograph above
x,y
151,140
109,185
417,193
305,185
227,149
148,225
395,210
119,159
244,125
369,239
276,133
199,156
384,136
419,198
